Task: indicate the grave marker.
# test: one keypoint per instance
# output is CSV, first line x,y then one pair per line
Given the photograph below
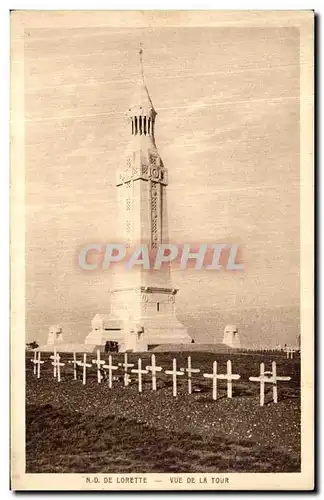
x,y
39,363
274,387
98,362
189,371
213,376
153,369
139,372
275,379
268,377
229,377
75,364
54,366
34,361
126,365
110,367
85,365
262,378
56,363
290,352
174,374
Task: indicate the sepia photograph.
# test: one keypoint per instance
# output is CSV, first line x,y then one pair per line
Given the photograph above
x,y
162,250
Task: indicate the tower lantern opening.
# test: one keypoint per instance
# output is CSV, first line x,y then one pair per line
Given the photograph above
x,y
142,114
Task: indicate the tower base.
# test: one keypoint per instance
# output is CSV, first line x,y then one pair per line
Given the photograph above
x,y
139,317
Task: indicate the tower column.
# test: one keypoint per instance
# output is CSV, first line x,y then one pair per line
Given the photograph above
x,y
142,301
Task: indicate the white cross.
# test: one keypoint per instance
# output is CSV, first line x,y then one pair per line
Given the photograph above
x,y
272,379
98,362
174,374
56,363
110,367
85,365
262,379
139,371
189,371
39,363
34,361
54,357
153,368
126,365
75,364
229,377
275,378
213,376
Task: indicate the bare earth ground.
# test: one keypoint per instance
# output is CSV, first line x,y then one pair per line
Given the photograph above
x,y
93,429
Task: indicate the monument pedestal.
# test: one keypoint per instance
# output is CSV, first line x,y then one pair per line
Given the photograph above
x,y
139,318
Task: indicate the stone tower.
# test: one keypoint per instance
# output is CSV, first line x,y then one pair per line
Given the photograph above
x,y
143,301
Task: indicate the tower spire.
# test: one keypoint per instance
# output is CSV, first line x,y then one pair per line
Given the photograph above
x,y
142,114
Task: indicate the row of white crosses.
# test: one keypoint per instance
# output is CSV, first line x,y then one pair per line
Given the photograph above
x,y
229,376
150,368
56,364
153,368
265,377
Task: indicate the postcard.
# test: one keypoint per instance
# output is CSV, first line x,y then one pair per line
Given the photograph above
x,y
162,233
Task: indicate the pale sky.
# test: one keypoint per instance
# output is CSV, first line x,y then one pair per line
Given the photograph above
x,y
227,130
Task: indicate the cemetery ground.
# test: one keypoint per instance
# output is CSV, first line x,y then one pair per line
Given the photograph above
x,y
75,428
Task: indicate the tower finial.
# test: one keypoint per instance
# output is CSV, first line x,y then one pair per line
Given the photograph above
x,y
141,59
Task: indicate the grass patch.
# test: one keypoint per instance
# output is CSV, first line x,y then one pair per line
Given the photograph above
x,y
61,441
